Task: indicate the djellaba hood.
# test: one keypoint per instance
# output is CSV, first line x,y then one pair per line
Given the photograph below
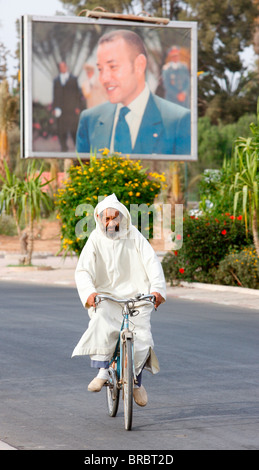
x,y
113,203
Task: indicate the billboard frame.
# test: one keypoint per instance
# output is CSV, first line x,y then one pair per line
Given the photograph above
x,y
27,22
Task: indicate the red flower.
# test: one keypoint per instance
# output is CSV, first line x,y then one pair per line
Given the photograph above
x,y
224,232
176,253
240,217
232,217
181,270
227,213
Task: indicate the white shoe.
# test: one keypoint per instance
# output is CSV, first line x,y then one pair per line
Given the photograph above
x,y
140,396
98,382
96,385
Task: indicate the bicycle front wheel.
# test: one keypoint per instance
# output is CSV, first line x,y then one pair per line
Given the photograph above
x,y
127,382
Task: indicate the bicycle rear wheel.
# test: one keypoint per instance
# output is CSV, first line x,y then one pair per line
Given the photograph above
x,y
127,382
112,393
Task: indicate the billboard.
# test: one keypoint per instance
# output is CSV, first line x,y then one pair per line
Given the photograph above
x,y
91,84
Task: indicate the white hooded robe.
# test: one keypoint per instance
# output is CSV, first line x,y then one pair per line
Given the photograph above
x,y
120,267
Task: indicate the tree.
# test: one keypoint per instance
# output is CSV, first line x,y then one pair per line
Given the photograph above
x,y
118,6
33,199
10,196
8,110
246,178
225,29
26,198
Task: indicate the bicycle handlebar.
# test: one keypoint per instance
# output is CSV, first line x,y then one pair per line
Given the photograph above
x,y
138,298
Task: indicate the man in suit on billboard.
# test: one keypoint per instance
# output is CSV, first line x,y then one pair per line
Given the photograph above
x,y
67,104
134,120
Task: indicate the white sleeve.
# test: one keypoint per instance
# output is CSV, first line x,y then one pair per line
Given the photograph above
x,y
85,272
152,266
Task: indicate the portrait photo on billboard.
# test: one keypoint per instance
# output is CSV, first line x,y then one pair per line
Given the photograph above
x,y
126,86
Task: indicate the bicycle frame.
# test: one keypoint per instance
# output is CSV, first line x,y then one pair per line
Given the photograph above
x,y
122,373
125,332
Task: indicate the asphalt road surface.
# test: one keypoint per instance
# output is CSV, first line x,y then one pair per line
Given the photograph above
x,y
206,395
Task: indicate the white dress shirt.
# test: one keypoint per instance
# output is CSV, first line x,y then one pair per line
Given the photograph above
x,y
64,78
134,117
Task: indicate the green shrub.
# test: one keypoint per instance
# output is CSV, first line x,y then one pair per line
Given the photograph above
x,y
7,225
239,269
173,263
101,177
206,241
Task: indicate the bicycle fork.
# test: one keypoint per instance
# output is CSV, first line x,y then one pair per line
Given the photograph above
x,y
125,335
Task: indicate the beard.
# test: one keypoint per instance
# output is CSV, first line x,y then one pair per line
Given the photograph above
x,y
112,233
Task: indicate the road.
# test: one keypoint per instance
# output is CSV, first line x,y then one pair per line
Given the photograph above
x,y
206,395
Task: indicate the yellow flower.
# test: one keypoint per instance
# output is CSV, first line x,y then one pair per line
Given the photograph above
x,y
130,193
58,216
105,151
137,194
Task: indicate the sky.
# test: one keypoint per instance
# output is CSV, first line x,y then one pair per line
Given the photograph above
x,y
11,10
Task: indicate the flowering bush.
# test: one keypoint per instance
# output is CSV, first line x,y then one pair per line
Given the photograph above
x,y
206,241
239,269
131,183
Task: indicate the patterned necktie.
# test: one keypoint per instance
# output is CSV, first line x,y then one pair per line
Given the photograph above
x,y
122,139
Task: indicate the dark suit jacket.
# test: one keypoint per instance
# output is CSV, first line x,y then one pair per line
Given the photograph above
x,y
165,128
68,98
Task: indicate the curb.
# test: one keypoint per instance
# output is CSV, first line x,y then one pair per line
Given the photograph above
x,y
219,287
216,294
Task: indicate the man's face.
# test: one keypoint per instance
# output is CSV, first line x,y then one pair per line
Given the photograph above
x,y
63,67
122,75
110,219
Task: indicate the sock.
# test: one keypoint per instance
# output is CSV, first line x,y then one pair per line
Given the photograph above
x,y
103,374
139,378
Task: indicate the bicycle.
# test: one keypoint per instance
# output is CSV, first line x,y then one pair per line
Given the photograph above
x,y
121,369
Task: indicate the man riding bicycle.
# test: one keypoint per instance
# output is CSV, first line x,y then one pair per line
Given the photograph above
x,y
117,260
